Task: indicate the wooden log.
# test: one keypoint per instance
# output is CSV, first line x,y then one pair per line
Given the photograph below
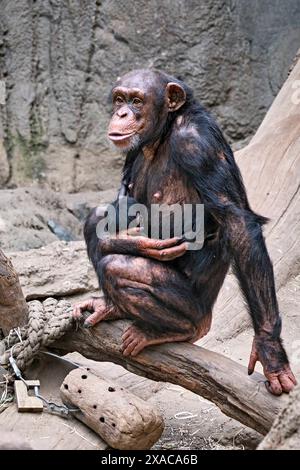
x,y
206,373
46,431
285,432
122,419
13,308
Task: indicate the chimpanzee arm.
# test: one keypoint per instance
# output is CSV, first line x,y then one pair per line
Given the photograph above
x,y
91,237
209,164
92,241
253,268
129,243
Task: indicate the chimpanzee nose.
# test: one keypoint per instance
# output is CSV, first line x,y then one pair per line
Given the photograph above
x,y
122,113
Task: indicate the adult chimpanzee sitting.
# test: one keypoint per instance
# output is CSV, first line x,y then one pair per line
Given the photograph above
x,y
175,152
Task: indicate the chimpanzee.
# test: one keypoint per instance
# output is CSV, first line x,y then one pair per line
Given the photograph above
x,y
176,153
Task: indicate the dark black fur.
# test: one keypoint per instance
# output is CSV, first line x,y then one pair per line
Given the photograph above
x,y
239,238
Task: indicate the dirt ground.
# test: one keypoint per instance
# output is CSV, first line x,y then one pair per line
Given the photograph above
x,y
191,422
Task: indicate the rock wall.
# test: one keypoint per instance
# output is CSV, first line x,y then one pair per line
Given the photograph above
x,y
59,58
32,217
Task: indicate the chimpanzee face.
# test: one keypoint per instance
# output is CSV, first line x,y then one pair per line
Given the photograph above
x,y
141,101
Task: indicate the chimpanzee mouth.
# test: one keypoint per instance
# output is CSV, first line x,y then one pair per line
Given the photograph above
x,y
118,137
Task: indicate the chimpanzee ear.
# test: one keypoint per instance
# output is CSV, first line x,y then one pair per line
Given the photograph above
x,y
176,96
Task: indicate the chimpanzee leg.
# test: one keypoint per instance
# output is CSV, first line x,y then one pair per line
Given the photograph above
x,y
160,300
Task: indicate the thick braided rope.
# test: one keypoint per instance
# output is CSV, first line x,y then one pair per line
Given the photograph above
x,y
25,351
14,337
47,322
59,322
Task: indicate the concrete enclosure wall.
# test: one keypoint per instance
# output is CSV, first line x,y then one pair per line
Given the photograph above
x,y
59,58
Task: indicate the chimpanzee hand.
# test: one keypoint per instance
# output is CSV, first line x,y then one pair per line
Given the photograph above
x,y
96,306
161,250
271,354
131,242
99,311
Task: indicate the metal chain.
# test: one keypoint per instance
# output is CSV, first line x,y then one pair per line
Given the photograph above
x,y
47,322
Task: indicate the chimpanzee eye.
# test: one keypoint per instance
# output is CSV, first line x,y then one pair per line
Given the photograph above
x,y
137,101
118,100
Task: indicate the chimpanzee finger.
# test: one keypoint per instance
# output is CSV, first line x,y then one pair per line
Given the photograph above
x,y
286,383
273,385
155,244
138,348
167,243
167,254
291,376
127,342
253,359
94,318
127,333
80,308
76,312
130,347
174,252
252,362
154,254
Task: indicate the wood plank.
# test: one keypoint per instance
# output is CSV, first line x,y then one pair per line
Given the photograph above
x,y
26,402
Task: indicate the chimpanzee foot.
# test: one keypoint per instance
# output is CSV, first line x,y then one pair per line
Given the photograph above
x,y
134,340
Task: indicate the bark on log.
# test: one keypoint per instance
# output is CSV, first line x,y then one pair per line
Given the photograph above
x,y
13,308
122,419
285,432
206,373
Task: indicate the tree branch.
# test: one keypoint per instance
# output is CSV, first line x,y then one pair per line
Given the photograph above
x,y
206,373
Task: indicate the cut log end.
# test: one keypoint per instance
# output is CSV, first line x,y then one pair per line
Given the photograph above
x,y
123,420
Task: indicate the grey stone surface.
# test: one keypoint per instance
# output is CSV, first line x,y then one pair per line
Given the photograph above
x,y
59,59
56,270
4,166
33,217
